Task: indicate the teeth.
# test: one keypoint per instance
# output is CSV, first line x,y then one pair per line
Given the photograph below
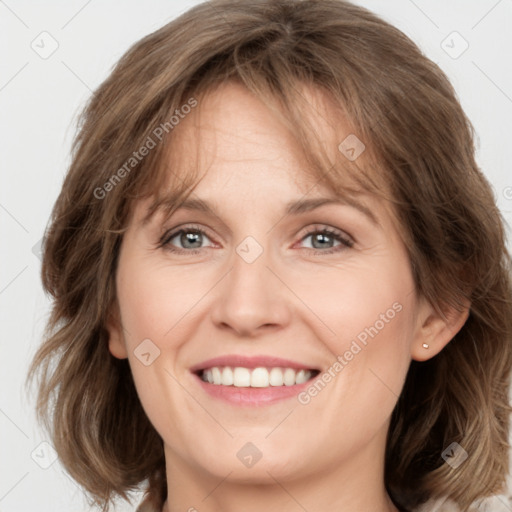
x,y
276,377
301,377
259,378
217,377
289,377
227,376
255,378
241,377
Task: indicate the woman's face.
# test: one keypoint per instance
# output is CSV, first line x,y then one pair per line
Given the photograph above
x,y
266,289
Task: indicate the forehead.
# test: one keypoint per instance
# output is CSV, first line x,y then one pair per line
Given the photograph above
x,y
233,145
233,126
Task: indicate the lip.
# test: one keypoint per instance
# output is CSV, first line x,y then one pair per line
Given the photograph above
x,y
235,360
247,396
251,397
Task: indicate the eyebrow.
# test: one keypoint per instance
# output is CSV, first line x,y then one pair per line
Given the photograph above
x,y
292,208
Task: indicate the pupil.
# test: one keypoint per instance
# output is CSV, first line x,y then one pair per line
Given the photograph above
x,y
189,237
320,237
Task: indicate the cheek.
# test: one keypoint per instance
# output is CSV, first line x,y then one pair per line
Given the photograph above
x,y
159,310
368,313
354,298
154,303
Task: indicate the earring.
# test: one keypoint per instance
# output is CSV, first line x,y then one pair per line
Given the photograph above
x,y
425,345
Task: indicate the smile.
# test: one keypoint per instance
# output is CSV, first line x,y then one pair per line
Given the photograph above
x,y
259,377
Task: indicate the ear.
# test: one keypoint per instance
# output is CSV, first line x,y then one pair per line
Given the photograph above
x,y
436,329
116,344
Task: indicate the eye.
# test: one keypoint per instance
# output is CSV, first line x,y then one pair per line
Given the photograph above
x,y
322,237
190,238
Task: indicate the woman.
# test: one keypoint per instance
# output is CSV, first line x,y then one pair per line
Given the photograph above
x,y
256,369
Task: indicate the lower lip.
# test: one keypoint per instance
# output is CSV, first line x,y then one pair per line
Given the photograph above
x,y
252,396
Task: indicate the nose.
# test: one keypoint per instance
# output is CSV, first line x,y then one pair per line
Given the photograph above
x,y
251,298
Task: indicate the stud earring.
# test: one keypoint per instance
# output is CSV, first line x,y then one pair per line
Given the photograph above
x,y
425,345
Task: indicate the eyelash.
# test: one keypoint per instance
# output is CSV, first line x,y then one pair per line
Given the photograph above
x,y
164,242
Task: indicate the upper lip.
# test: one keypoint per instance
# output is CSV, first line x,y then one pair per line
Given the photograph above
x,y
235,360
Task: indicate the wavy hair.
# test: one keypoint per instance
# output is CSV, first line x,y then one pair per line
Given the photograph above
x,y
419,154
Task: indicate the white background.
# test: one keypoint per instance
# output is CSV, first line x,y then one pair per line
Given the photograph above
x,y
39,100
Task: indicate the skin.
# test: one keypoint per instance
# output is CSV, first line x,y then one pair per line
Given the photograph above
x,y
293,301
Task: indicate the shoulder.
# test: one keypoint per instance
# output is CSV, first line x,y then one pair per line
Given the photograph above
x,y
146,507
492,503
438,505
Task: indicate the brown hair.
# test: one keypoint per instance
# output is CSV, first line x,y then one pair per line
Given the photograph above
x,y
419,143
